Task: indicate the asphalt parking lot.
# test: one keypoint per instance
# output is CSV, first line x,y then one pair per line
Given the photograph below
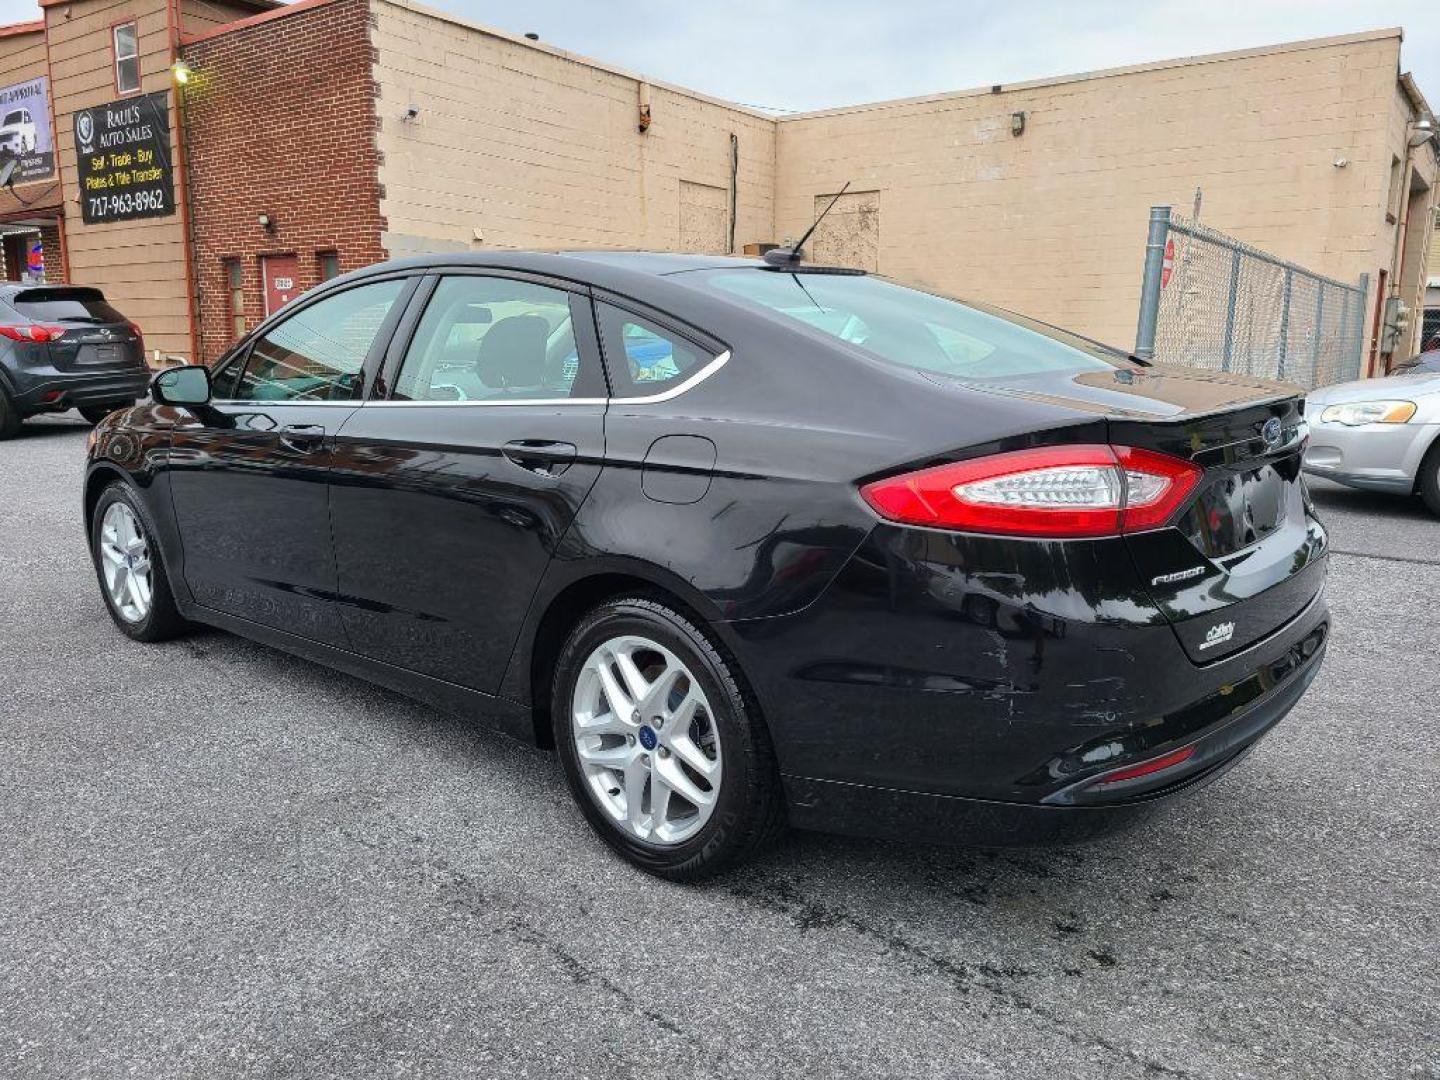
x,y
219,861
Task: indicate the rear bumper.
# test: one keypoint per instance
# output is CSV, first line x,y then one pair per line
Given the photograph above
x,y
984,691
1082,811
46,389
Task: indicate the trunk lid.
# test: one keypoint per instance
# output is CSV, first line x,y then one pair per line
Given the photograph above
x,y
95,336
1245,556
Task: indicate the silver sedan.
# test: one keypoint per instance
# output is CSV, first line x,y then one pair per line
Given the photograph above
x,y
1378,435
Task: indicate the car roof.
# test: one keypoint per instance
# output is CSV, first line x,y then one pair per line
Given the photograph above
x,y
656,277
584,264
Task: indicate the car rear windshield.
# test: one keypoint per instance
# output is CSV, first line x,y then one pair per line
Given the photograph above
x,y
911,328
65,305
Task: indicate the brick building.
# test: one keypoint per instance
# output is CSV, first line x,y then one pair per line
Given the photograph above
x,y
316,137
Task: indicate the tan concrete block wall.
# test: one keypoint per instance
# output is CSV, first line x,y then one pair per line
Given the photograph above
x,y
535,148
1406,241
197,16
1052,222
1433,273
140,265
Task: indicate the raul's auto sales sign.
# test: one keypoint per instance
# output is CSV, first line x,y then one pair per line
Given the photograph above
x,y
123,153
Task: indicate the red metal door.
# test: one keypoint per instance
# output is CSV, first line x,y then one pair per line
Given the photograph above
x,y
282,284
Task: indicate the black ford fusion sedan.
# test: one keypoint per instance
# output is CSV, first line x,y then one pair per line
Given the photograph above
x,y
744,543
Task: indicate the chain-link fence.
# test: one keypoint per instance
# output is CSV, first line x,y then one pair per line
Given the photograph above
x,y
1209,301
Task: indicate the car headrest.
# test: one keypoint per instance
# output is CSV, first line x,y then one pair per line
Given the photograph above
x,y
512,352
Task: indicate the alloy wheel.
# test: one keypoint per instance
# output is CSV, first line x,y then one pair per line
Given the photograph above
x,y
646,740
125,562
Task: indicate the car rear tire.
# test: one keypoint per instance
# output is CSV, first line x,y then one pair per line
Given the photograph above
x,y
1429,479
9,416
93,414
663,747
130,568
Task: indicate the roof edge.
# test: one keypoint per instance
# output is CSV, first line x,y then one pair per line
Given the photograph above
x,y
1304,45
275,11
36,26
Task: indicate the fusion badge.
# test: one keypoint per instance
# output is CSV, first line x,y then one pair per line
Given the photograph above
x,y
1178,575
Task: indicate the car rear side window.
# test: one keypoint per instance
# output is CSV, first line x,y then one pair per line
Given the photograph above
x,y
318,353
65,306
496,339
911,328
644,357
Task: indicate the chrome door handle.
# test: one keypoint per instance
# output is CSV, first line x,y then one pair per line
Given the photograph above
x,y
302,438
541,455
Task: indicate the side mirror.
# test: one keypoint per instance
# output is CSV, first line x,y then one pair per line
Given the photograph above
x,y
189,385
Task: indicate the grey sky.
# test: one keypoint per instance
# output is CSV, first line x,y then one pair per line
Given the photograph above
x,y
809,54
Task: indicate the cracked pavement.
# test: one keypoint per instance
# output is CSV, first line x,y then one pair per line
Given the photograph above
x,y
219,861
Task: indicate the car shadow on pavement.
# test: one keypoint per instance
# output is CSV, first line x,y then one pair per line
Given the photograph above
x,y
1328,496
37,428
1013,914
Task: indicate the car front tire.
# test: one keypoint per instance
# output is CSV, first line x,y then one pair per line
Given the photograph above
x,y
664,750
1427,481
130,568
9,416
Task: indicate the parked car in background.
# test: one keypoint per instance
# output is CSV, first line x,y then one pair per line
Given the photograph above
x,y
1379,434
741,541
1427,361
64,347
17,132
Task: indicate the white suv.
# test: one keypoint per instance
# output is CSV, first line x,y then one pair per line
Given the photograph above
x,y
17,132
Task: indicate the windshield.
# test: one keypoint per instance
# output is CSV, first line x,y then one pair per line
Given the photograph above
x,y
1424,362
14,118
913,329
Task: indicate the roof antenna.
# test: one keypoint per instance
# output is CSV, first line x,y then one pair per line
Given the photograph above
x,y
795,252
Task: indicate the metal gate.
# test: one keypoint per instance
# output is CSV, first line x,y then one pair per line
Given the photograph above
x,y
1210,301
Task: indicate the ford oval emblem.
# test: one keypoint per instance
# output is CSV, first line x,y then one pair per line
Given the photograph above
x,y
1271,432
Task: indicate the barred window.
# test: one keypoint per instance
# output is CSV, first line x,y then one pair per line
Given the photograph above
x,y
235,284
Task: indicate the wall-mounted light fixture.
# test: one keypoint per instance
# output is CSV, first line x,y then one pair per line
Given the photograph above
x,y
181,72
1421,132
412,111
267,223
1017,123
642,123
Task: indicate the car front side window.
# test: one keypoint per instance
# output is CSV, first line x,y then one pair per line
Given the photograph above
x,y
318,353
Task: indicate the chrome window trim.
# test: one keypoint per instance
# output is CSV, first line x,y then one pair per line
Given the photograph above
x,y
272,402
474,404
675,391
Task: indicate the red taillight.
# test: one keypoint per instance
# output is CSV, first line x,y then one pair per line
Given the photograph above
x,y
139,339
1145,768
31,332
1066,491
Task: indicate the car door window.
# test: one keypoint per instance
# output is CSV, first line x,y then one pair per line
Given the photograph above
x,y
643,357
318,353
495,339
